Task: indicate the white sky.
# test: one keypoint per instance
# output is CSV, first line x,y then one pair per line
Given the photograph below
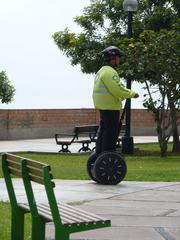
x,y
42,75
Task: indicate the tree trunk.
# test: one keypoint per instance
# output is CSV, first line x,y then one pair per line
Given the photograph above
x,y
162,138
176,141
164,148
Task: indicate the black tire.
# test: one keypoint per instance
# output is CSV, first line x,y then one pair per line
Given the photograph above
x,y
90,165
110,168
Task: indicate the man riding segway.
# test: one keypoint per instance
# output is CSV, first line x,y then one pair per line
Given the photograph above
x,y
108,94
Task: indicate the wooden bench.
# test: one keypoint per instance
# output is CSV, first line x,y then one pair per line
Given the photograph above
x,y
81,134
67,219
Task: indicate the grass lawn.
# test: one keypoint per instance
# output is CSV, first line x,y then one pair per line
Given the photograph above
x,y
5,222
144,165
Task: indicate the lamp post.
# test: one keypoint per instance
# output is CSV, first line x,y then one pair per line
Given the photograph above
x,y
129,6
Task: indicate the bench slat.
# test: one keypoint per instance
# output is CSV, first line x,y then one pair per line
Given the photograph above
x,y
35,171
46,213
67,220
76,212
48,216
15,165
15,172
35,174
35,164
39,180
81,211
73,211
13,158
70,217
36,179
32,163
76,217
85,129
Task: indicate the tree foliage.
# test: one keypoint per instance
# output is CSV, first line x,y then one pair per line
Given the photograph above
x,y
152,56
156,61
104,23
7,91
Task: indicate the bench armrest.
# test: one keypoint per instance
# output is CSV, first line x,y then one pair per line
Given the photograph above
x,y
63,135
59,136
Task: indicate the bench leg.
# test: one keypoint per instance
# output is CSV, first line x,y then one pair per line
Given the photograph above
x,y
38,229
94,148
64,148
85,147
65,151
61,235
17,224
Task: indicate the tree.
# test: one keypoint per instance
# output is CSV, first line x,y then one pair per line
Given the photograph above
x,y
156,63
7,91
104,23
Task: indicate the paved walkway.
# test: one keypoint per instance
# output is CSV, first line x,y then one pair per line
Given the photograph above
x,y
49,145
138,210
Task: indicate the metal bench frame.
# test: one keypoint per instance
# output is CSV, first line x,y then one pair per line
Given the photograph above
x,y
87,131
64,143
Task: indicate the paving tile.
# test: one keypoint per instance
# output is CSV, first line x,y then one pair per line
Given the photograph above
x,y
112,233
174,214
133,203
174,187
152,195
138,210
128,211
165,233
144,221
124,233
175,232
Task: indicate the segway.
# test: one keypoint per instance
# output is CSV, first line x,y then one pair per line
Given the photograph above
x,y
107,168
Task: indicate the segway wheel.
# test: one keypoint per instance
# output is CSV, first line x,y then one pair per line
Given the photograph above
x,y
110,168
90,166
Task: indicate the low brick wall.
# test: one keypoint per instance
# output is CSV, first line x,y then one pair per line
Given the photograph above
x,y
44,123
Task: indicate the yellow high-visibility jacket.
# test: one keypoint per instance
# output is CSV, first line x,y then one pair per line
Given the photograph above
x,y
109,90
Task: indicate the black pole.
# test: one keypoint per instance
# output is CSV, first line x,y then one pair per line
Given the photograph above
x,y
130,25
128,84
127,140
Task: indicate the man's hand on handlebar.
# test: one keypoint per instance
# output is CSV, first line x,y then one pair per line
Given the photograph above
x,y
136,95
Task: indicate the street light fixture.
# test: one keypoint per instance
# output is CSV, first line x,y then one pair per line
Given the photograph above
x,y
129,6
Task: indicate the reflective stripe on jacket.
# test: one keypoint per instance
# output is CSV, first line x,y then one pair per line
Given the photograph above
x,y
109,91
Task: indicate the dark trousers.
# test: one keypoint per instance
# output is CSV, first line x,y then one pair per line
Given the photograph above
x,y
108,131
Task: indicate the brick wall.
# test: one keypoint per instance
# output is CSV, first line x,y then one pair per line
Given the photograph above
x,y
44,123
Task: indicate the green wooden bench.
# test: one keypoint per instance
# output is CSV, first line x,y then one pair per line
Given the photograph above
x,y
67,219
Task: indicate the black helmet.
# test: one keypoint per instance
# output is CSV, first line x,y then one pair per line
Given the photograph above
x,y
111,51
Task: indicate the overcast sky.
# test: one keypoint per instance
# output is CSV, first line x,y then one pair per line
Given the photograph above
x,y
42,76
